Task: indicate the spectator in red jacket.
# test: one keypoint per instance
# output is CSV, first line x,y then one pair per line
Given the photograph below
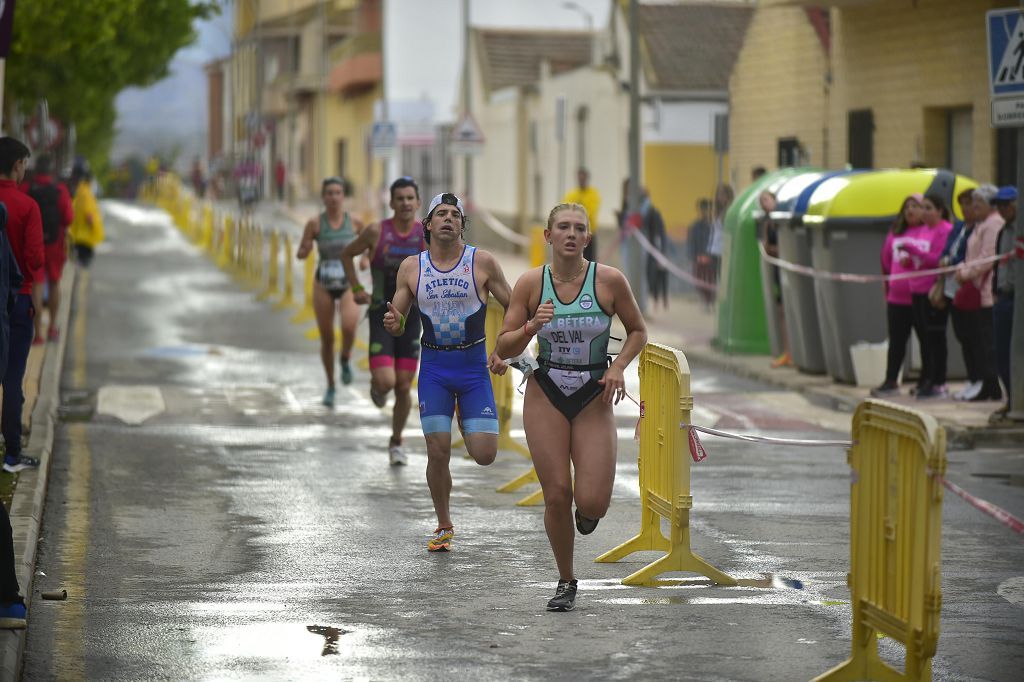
x,y
25,232
55,209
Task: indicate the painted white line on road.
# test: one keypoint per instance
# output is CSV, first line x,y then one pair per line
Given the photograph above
x,y
1012,590
743,419
130,213
289,398
131,404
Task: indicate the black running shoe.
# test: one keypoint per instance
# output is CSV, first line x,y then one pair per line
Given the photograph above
x,y
584,525
886,389
565,596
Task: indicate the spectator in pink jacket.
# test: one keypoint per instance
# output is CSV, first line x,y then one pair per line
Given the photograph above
x,y
978,276
898,297
923,249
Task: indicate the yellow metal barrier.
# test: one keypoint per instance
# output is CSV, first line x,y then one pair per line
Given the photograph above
x,y
217,236
206,227
274,258
257,258
665,403
252,256
538,247
227,250
503,400
895,533
241,245
184,215
500,385
288,288
306,313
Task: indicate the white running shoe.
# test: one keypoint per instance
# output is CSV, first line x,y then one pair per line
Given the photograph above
x,y
396,455
969,391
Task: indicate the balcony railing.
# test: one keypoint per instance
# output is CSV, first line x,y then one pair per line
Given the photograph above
x,y
357,64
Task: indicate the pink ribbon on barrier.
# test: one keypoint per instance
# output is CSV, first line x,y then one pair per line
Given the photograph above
x,y
699,454
663,260
617,243
984,506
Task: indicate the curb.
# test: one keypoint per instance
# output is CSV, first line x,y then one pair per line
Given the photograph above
x,y
29,500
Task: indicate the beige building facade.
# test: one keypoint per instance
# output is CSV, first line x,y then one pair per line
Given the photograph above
x,y
552,102
301,85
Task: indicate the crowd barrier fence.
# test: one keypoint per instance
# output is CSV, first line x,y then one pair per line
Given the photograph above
x,y
664,463
897,463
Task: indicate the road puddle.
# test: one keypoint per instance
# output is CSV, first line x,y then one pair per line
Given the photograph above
x,y
330,635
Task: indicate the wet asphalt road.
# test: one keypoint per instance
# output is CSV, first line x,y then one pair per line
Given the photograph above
x,y
246,532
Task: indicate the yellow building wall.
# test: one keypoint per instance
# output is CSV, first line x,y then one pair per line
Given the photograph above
x,y
909,62
904,61
777,89
677,176
351,119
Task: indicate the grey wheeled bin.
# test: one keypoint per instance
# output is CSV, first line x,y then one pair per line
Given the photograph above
x,y
848,218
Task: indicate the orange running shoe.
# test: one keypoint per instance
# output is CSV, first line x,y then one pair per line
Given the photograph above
x,y
441,540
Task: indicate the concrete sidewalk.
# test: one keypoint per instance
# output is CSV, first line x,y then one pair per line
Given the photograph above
x,y
42,400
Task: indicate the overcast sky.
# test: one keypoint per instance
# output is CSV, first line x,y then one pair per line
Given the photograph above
x,y
424,57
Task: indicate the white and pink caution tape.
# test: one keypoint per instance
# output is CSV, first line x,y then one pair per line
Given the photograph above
x,y
1017,252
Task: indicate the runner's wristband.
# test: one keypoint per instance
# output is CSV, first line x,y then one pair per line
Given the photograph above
x,y
357,287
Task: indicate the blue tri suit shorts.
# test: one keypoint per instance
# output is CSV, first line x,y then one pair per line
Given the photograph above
x,y
448,377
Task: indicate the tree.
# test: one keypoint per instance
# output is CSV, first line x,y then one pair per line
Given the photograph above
x,y
79,54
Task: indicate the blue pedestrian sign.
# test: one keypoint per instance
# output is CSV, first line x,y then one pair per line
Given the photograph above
x,y
383,138
1005,51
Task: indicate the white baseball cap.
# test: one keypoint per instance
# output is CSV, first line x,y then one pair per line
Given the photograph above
x,y
437,201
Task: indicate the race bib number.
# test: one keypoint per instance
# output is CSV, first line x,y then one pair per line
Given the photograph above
x,y
332,275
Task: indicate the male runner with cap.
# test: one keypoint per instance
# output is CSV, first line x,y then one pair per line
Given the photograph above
x,y
450,282
392,360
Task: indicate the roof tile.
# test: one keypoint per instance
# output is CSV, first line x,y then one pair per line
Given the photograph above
x,y
513,57
692,45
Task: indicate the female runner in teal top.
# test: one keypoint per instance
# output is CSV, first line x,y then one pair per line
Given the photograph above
x,y
332,230
567,412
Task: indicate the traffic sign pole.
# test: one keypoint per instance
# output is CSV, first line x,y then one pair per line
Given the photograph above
x,y
1005,29
1016,387
1017,334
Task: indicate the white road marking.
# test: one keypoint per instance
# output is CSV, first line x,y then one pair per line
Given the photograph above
x,y
1012,590
131,404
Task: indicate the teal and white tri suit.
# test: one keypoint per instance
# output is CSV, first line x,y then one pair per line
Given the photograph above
x,y
573,346
330,243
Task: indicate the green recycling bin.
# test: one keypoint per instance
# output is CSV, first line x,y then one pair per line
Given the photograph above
x,y
742,324
786,195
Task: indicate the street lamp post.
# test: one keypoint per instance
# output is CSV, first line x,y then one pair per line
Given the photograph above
x,y
634,255
466,94
589,19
